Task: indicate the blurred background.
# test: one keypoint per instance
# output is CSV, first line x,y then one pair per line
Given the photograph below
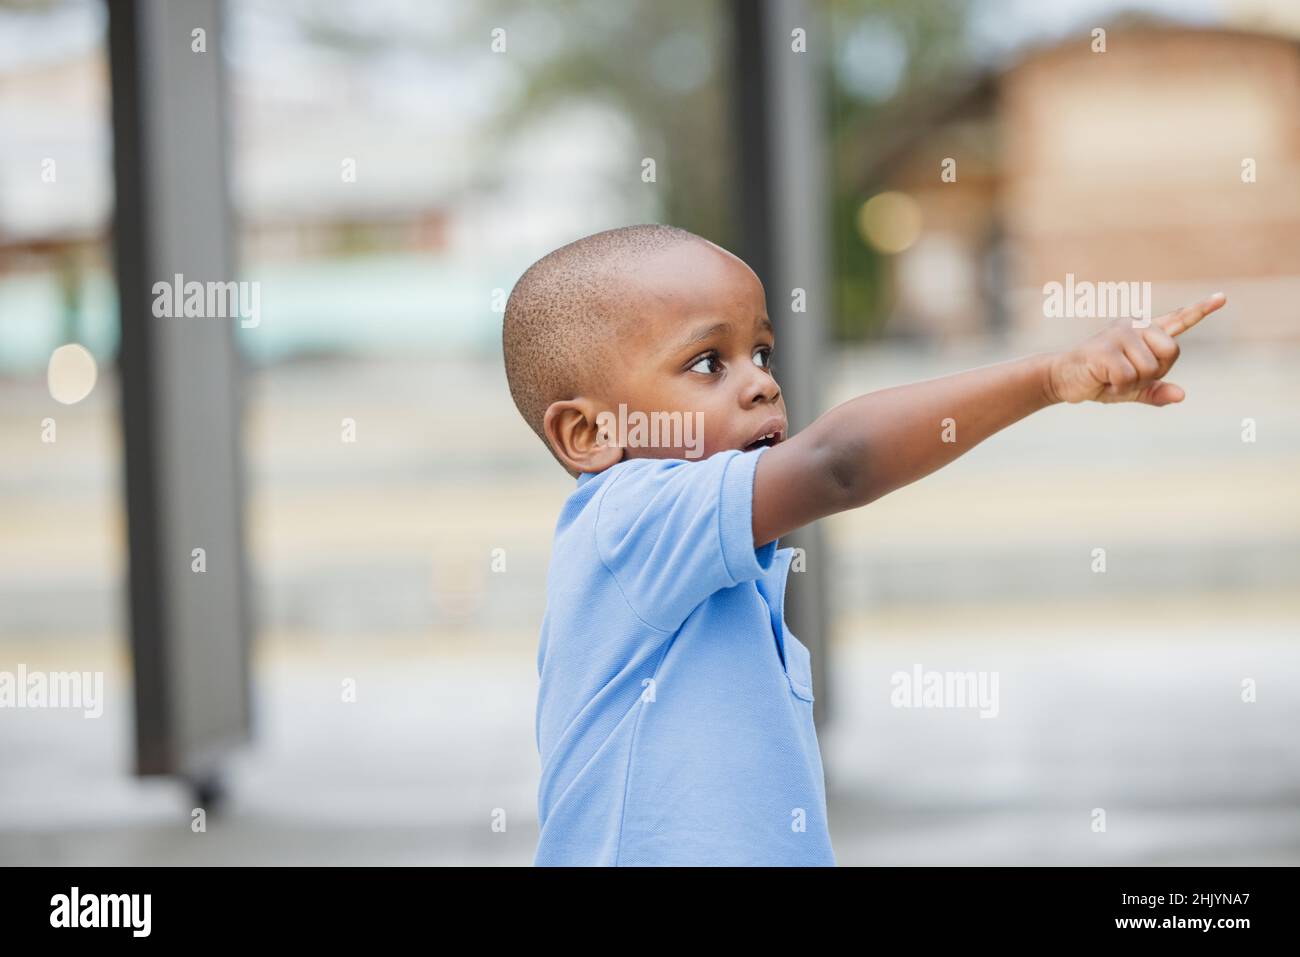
x,y
408,561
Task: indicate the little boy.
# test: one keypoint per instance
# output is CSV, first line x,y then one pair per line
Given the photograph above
x,y
674,715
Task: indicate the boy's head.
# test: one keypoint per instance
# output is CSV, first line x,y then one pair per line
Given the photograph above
x,y
642,342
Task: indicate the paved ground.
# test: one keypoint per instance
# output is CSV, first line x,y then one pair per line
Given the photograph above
x,y
1119,691
1145,722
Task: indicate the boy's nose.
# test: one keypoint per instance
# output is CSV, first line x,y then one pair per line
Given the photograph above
x,y
761,390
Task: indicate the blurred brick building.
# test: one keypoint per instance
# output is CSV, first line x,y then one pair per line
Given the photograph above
x,y
1173,157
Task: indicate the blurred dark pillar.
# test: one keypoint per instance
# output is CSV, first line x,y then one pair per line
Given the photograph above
x,y
180,415
781,203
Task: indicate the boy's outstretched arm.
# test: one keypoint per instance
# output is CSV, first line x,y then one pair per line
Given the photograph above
x,y
879,442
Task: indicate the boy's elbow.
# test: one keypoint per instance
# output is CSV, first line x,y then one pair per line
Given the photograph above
x,y
841,464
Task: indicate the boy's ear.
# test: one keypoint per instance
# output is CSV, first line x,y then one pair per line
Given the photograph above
x,y
574,429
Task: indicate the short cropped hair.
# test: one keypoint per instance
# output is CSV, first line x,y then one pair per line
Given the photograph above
x,y
565,312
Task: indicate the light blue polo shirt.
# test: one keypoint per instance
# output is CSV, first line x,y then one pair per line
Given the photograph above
x,y
675,712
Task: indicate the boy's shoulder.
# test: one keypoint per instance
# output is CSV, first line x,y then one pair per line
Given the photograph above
x,y
643,488
670,532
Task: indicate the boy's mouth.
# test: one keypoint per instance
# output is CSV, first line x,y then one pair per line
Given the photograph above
x,y
773,432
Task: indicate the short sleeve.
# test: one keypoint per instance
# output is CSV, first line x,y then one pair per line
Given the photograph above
x,y
672,532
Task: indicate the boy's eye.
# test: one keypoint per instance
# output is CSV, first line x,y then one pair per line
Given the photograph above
x,y
763,357
707,365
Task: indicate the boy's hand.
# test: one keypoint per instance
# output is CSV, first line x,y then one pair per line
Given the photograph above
x,y
1124,364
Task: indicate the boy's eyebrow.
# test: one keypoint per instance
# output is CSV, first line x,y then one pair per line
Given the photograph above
x,y
700,335
718,328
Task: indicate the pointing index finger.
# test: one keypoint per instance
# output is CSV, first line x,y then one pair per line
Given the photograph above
x,y
1179,321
